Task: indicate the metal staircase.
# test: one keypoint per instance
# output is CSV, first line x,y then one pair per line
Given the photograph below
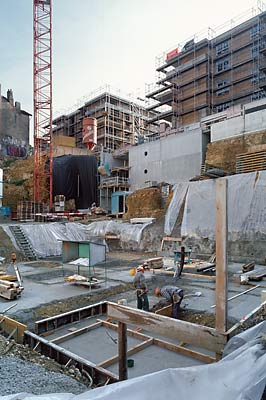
x,y
23,242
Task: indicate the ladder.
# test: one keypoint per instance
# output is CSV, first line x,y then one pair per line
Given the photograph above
x,y
23,242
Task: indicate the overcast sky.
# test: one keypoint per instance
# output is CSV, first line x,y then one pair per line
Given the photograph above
x,y
98,42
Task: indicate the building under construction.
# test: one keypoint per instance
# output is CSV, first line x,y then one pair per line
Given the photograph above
x,y
117,124
120,121
211,72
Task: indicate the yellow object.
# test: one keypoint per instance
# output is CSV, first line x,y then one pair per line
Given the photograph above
x,y
61,140
132,272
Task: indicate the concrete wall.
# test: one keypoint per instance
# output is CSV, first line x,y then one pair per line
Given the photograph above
x,y
173,158
252,119
13,122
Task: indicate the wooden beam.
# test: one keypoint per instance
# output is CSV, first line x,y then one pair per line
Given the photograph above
x,y
183,350
221,254
62,356
133,350
198,335
78,332
130,332
167,311
184,274
234,329
122,350
8,325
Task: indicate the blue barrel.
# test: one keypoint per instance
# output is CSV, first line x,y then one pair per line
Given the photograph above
x,y
5,210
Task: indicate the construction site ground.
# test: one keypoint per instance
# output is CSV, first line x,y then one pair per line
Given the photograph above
x,y
46,294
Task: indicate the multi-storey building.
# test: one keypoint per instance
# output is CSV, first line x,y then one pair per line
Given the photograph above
x,y
120,122
14,127
209,75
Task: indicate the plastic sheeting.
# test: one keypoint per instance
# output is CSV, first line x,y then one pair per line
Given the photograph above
x,y
239,376
76,178
46,238
180,190
129,234
246,206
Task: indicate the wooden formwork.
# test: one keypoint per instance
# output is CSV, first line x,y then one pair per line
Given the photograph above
x,y
12,328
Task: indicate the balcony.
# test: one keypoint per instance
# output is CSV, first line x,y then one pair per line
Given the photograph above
x,y
114,182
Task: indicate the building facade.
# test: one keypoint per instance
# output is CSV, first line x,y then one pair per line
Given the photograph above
x,y
14,127
120,122
206,76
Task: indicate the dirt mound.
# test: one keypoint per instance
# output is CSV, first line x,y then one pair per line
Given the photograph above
x,y
18,178
144,203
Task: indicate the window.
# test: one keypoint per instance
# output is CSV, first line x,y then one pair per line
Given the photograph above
x,y
254,31
255,79
222,91
255,51
223,107
222,47
223,83
258,95
222,65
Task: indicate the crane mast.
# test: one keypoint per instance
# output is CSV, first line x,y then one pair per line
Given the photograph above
x,y
42,89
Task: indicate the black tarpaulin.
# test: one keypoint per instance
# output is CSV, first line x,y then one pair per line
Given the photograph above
x,y
76,178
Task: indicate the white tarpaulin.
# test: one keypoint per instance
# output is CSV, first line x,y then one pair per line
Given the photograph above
x,y
239,376
180,190
46,238
246,206
129,234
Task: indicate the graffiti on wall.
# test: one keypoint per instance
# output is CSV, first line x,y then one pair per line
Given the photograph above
x,y
13,147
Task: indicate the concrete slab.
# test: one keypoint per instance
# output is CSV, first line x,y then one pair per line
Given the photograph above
x,y
97,345
155,358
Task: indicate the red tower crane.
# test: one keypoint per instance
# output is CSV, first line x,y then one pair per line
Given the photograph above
x,y
42,88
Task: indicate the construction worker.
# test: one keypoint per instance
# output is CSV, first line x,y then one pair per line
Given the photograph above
x,y
140,285
172,294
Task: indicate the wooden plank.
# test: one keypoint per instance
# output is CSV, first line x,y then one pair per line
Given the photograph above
x,y
184,274
183,350
62,355
166,311
130,332
122,351
201,336
77,332
8,325
50,324
221,254
130,352
233,330
204,266
11,278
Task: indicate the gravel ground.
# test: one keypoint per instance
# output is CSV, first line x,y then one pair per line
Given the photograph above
x,y
18,376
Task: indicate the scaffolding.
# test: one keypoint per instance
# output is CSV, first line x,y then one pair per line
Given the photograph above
x,y
210,72
120,120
